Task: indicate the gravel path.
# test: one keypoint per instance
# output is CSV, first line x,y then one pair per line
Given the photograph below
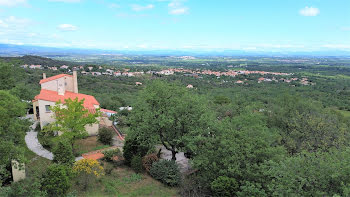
x,y
181,160
33,143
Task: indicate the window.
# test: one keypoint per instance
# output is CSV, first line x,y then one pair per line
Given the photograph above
x,y
47,107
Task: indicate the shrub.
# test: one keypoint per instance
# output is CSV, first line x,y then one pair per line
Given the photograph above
x,y
46,137
87,171
148,160
166,172
24,188
109,154
105,135
136,164
63,153
224,186
133,147
56,180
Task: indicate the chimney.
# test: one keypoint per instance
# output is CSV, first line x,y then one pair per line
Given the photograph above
x,y
44,75
75,82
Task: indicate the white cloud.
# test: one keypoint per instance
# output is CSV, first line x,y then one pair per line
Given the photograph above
x,y
179,11
309,11
176,7
12,2
66,1
137,7
67,27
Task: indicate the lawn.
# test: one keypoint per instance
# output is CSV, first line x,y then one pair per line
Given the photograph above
x,y
88,144
123,181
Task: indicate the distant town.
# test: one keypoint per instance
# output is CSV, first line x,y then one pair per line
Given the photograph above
x,y
197,73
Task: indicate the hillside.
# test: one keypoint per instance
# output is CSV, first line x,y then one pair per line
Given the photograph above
x,y
31,59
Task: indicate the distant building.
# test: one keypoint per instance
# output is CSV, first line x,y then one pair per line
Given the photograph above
x,y
125,108
35,66
189,86
64,67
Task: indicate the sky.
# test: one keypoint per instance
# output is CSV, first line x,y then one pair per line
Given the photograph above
x,y
252,25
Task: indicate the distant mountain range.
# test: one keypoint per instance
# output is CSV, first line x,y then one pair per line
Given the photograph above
x,y
20,50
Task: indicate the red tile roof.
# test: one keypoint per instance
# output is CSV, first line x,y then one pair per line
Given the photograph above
x,y
49,95
54,77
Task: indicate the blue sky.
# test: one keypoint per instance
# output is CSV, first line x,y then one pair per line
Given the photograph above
x,y
263,25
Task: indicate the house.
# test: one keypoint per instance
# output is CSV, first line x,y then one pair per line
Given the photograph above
x,y
125,108
108,112
64,67
35,66
58,88
189,86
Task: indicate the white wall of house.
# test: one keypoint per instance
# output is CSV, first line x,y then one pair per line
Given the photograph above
x,y
46,117
63,82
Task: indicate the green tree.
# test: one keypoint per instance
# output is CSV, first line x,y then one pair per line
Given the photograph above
x,y
7,80
305,125
237,150
63,153
72,117
105,135
311,174
169,113
224,186
12,131
57,180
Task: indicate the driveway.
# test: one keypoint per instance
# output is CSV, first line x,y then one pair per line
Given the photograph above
x,y
33,143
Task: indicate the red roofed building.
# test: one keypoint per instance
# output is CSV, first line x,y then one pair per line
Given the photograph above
x,y
59,88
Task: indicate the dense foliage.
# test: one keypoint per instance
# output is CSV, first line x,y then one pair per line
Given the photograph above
x,y
57,180
170,114
136,164
12,132
166,172
111,153
63,153
105,135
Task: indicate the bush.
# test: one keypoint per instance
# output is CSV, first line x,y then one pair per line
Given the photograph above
x,y
136,164
109,154
87,170
105,135
24,188
63,153
46,137
57,180
133,147
166,172
224,186
148,160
